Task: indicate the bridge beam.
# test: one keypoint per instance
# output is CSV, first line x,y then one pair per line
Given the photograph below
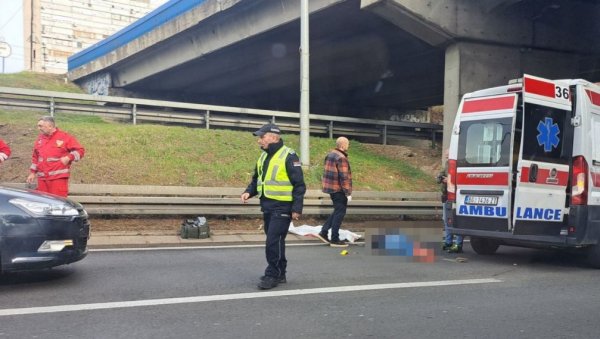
x,y
201,31
560,25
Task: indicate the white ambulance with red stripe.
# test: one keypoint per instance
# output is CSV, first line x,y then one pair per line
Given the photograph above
x,y
524,166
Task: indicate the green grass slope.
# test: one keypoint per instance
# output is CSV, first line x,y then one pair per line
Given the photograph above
x,y
118,153
41,81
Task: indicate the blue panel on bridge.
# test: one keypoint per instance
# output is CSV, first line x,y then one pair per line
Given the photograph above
x,y
157,17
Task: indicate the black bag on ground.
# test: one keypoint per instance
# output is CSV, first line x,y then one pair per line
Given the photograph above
x,y
195,228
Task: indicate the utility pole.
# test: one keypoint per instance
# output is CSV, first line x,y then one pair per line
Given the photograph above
x,y
31,51
304,85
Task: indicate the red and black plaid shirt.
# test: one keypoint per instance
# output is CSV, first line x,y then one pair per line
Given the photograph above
x,y
337,176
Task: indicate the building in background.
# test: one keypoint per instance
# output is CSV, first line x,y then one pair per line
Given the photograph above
x,y
55,29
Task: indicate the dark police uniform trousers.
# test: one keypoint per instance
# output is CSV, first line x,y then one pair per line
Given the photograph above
x,y
277,216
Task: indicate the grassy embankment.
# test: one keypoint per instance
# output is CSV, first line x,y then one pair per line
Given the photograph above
x,y
118,153
42,81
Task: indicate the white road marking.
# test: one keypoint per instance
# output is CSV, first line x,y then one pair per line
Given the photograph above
x,y
236,296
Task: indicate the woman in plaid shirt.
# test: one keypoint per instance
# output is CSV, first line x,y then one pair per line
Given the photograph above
x,y
337,181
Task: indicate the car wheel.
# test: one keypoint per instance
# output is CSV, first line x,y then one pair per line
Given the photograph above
x,y
484,246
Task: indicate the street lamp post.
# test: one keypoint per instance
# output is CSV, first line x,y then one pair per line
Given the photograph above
x,y
304,85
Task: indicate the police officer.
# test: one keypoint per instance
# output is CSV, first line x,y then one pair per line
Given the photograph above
x,y
279,183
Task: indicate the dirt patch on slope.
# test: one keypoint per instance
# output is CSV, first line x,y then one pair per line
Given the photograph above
x,y
424,157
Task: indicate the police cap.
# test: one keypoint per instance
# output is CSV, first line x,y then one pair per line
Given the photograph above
x,y
268,128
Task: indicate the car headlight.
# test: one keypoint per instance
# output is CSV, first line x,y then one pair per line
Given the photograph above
x,y
37,208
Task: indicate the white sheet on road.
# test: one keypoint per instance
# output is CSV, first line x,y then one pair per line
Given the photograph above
x,y
306,230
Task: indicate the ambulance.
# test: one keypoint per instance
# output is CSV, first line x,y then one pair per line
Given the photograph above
x,y
524,166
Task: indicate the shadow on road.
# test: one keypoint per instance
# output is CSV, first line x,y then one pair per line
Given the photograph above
x,y
34,277
532,258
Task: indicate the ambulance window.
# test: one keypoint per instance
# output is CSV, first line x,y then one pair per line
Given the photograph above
x,y
484,142
543,133
596,140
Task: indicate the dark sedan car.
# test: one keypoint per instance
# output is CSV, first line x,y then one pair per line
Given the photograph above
x,y
40,230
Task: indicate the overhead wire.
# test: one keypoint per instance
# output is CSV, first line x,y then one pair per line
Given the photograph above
x,y
12,16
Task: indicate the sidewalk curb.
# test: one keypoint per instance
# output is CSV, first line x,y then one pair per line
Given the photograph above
x,y
132,239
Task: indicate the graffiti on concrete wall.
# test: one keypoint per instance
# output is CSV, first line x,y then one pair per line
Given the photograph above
x,y
98,84
411,116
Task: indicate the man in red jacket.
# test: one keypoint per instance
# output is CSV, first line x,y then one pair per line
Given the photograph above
x,y
4,151
53,153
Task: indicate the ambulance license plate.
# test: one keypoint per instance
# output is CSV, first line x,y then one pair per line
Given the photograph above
x,y
477,200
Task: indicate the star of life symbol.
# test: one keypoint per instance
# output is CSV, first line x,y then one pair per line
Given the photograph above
x,y
548,136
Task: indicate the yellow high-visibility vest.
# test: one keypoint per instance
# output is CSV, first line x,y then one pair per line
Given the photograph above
x,y
277,185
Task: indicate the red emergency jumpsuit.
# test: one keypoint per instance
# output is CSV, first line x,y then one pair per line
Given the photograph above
x,y
52,174
4,151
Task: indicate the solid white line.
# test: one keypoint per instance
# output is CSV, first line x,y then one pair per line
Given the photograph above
x,y
236,296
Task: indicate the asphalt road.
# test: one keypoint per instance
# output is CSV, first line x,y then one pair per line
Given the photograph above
x,y
211,293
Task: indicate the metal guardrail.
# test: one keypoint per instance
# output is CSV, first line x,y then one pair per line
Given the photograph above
x,y
143,110
180,200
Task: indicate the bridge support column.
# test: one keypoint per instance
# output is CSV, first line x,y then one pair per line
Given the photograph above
x,y
473,66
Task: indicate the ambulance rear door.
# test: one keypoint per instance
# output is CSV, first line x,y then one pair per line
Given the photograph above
x,y
483,162
546,150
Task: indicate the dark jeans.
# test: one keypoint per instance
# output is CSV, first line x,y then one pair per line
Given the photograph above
x,y
276,225
340,202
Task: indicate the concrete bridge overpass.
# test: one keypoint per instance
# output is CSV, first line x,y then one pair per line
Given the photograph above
x,y
369,58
